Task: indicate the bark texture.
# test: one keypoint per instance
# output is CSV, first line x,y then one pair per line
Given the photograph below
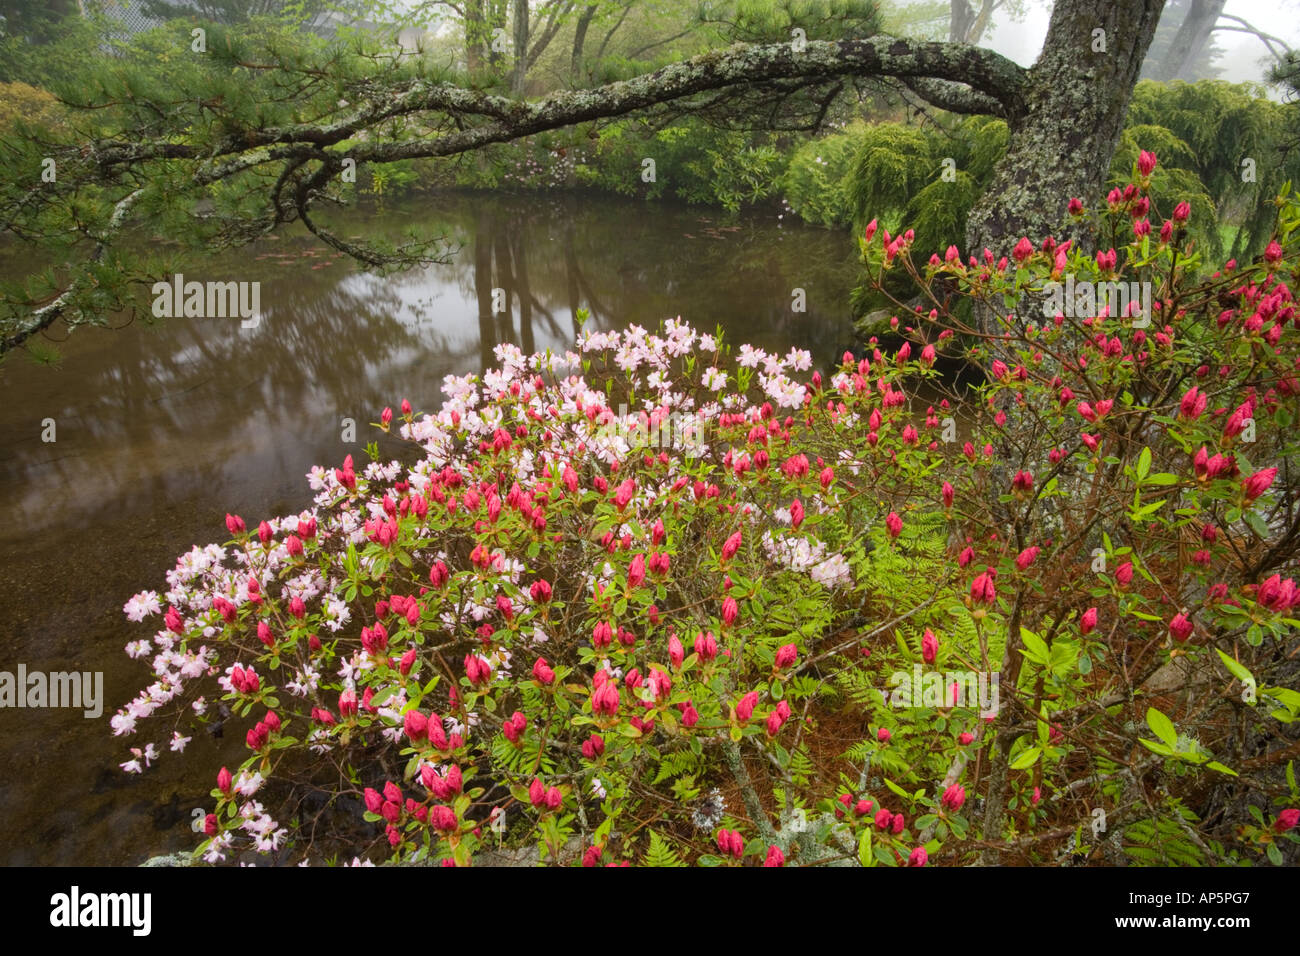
x,y
1065,127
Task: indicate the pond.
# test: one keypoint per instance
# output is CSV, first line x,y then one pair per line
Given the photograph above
x,y
162,428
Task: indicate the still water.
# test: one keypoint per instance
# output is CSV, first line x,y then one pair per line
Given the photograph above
x,y
163,428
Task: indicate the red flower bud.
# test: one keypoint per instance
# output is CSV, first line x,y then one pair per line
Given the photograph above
x,y
745,709
731,546
416,726
954,797
676,653
929,646
1258,483
443,819
730,611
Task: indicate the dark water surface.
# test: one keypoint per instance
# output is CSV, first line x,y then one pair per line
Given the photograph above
x,y
162,429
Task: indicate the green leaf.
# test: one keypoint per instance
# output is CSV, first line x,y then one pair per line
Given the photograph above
x,y
1162,726
897,789
1035,648
1235,668
660,854
1026,759
864,848
1256,524
1144,463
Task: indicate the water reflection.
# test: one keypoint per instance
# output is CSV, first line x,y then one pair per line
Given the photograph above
x,y
162,428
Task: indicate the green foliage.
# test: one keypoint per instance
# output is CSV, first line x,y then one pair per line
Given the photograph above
x,y
35,108
1212,128
1163,839
893,163
817,180
660,854
938,212
773,21
693,161
41,42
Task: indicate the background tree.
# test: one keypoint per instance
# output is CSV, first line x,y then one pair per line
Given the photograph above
x,y
1185,46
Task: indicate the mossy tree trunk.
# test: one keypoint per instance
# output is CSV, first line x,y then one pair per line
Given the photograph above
x,y
1067,122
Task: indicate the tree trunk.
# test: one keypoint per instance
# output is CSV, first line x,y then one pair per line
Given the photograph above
x,y
1068,122
475,31
520,72
579,39
1190,40
960,18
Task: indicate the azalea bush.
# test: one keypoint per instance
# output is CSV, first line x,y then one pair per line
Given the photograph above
x,y
659,600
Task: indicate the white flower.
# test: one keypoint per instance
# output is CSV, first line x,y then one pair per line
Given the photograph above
x,y
833,571
179,742
214,852
122,724
799,359
141,606
248,785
